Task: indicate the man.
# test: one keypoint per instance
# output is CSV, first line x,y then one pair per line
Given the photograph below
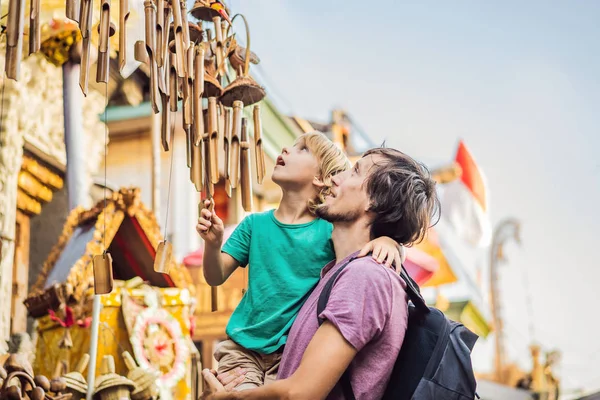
x,y
389,194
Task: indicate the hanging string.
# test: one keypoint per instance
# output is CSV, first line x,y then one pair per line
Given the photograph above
x,y
170,175
2,100
105,167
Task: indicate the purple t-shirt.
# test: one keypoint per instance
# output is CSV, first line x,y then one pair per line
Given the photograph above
x,y
369,306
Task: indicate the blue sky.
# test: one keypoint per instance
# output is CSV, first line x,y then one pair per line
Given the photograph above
x,y
518,81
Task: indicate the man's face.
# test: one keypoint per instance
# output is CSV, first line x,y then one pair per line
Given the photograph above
x,y
348,200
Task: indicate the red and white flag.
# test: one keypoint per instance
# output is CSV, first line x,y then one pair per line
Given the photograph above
x,y
465,201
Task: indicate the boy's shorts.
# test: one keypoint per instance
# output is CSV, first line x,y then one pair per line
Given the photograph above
x,y
261,369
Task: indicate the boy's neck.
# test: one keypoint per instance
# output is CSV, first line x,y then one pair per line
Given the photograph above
x,y
349,238
293,208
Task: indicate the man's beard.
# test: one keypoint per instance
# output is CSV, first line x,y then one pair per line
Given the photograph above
x,y
325,213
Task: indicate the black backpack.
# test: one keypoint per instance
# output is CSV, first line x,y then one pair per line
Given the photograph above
x,y
435,358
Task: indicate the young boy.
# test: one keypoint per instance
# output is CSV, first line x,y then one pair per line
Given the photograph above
x,y
286,249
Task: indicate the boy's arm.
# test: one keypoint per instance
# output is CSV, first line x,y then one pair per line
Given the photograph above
x,y
218,264
326,358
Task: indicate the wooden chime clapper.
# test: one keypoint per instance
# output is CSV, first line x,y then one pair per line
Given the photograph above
x,y
103,273
162,260
35,34
259,153
123,17
236,131
14,38
246,180
106,29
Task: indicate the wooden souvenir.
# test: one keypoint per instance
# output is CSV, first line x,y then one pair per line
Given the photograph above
x,y
71,11
180,45
246,180
236,131
213,140
145,381
212,87
123,17
150,12
103,273
35,33
198,90
237,58
226,148
259,152
76,384
110,386
244,87
14,38
162,260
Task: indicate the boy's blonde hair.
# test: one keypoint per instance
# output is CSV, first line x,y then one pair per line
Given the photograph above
x,y
331,159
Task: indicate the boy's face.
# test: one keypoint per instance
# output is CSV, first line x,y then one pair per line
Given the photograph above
x,y
296,166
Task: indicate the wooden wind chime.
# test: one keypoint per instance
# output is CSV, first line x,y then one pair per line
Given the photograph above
x,y
188,62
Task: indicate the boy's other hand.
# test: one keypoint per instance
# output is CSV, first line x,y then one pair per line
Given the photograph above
x,y
385,251
210,226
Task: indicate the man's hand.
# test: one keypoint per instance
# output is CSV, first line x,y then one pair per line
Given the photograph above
x,y
385,251
210,226
212,386
231,379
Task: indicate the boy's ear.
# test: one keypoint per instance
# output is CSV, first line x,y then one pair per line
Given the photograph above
x,y
318,182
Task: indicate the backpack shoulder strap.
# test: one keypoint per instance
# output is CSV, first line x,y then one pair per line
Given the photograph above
x,y
324,296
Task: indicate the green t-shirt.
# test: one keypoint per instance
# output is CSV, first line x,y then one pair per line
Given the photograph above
x,y
285,263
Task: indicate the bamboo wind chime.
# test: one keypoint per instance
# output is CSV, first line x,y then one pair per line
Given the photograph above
x,y
194,62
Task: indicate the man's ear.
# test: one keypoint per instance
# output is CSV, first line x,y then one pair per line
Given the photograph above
x,y
318,182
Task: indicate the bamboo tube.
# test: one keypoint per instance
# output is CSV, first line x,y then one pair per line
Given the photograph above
x,y
180,47
198,89
258,146
226,144
208,185
173,82
71,11
234,169
103,273
196,170
85,18
35,33
103,45
123,17
185,26
246,180
160,31
165,133
14,38
150,12
188,146
219,46
213,140
188,86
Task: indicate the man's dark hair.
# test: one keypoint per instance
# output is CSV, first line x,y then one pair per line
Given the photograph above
x,y
403,197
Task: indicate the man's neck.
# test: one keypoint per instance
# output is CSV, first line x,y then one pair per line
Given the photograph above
x,y
349,238
293,208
